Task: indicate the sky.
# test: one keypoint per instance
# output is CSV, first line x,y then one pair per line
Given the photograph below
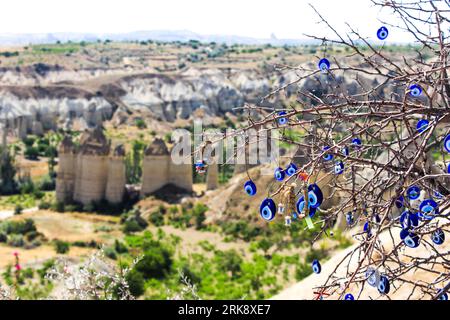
x,y
253,18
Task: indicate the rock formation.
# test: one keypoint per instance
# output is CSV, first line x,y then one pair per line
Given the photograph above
x,y
92,167
89,173
115,186
212,176
65,179
159,170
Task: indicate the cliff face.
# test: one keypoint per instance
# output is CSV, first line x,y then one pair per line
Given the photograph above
x,y
58,96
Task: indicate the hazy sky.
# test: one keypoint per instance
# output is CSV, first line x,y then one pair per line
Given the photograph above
x,y
254,18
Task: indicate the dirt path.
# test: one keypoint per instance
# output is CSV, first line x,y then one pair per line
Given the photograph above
x,y
5,214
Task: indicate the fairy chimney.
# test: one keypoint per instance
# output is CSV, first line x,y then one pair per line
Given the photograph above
x,y
92,167
65,178
180,175
212,176
155,167
159,170
116,180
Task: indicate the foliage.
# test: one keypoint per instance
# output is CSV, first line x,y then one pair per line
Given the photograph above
x,y
61,247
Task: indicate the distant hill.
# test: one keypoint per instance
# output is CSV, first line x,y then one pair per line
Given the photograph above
x,y
157,35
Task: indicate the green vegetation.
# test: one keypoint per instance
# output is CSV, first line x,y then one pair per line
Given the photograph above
x,y
217,274
30,284
133,162
22,233
61,247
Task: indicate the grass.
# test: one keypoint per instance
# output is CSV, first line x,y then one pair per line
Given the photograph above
x,y
27,201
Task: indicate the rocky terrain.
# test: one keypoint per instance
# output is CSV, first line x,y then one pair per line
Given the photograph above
x,y
55,85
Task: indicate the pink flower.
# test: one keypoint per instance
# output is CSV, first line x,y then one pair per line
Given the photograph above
x,y
18,267
16,254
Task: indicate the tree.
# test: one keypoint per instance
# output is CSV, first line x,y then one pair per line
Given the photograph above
x,y
8,184
133,162
31,153
156,262
136,282
374,127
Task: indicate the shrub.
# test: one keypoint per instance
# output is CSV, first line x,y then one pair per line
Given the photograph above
x,y
31,153
18,227
27,186
29,141
229,261
302,270
131,226
61,247
110,253
18,209
157,218
38,194
120,247
199,213
136,282
58,206
16,240
47,183
43,205
156,262
140,124
3,237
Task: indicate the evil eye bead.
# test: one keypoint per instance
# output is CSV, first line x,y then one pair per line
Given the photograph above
x,y
267,209
384,286
376,218
327,156
437,194
382,33
300,206
324,64
438,237
367,229
372,277
316,267
279,174
447,143
345,152
399,202
338,167
356,142
409,220
443,296
349,296
415,90
291,169
312,212
422,125
411,240
413,192
250,188
283,120
428,209
315,196
349,218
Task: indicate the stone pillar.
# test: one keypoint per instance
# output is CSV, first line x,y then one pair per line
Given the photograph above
x,y
115,187
66,173
212,176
